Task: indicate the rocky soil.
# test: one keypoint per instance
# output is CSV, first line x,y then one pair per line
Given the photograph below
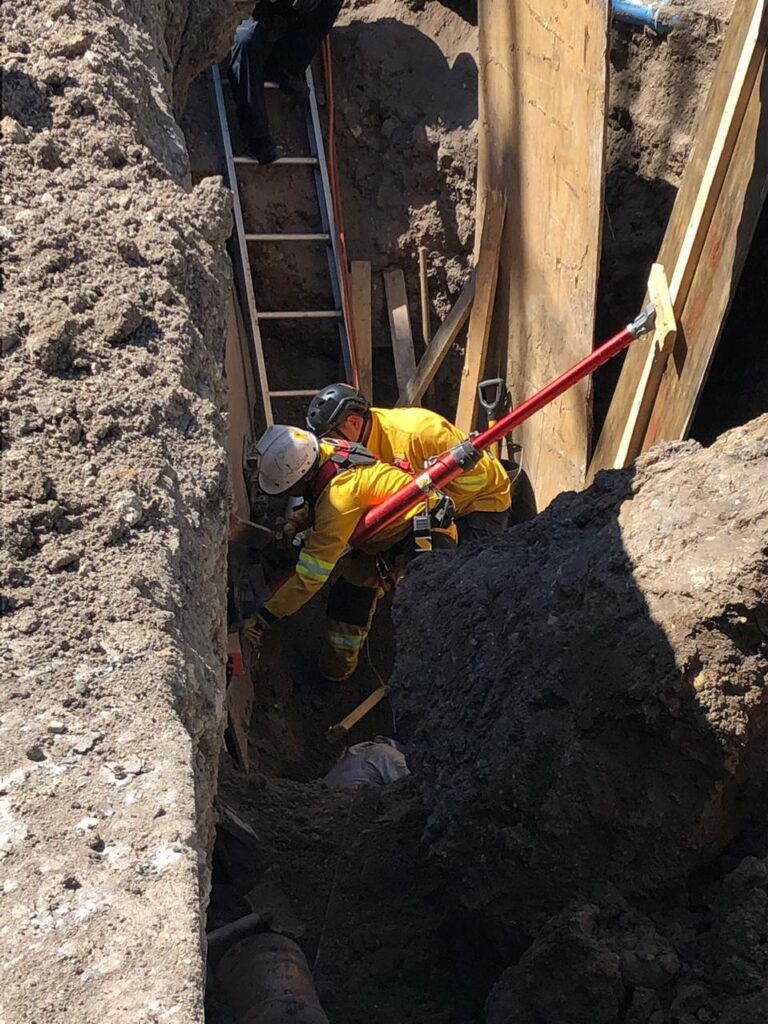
x,y
114,512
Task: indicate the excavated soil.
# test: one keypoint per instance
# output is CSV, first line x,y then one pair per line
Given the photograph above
x,y
586,720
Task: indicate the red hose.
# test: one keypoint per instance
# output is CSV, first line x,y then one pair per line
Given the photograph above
x,y
338,213
464,456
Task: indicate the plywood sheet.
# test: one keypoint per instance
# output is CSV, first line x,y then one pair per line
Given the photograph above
x,y
543,85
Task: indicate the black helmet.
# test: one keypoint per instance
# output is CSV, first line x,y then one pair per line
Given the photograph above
x,y
329,407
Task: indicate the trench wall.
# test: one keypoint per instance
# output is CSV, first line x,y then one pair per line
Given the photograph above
x,y
115,493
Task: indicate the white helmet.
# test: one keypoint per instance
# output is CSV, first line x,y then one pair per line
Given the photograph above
x,y
283,456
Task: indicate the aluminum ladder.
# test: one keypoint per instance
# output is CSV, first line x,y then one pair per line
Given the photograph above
x,y
254,317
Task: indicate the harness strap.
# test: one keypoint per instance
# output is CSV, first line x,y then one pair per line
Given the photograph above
x,y
348,454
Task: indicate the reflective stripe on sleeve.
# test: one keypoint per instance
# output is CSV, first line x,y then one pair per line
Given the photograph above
x,y
312,568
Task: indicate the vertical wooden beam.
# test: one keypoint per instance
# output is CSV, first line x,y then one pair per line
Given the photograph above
x,y
360,280
486,275
400,328
706,240
543,89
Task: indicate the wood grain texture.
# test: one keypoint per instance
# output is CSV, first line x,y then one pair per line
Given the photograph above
x,y
707,236
400,328
360,286
717,273
664,334
543,87
439,346
486,276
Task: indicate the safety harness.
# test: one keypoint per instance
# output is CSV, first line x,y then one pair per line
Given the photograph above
x,y
348,454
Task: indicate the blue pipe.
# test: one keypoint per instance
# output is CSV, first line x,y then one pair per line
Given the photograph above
x,y
647,15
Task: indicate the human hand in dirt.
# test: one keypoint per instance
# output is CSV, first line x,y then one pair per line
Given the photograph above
x,y
253,629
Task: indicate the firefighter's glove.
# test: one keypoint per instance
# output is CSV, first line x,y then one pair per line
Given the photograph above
x,y
253,629
305,6
297,521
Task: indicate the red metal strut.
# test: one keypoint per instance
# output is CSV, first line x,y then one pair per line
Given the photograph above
x,y
467,454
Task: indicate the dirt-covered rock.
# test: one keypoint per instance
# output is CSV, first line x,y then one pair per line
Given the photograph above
x,y
589,708
114,512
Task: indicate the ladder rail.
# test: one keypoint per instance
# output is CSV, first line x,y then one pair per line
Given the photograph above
x,y
242,246
325,202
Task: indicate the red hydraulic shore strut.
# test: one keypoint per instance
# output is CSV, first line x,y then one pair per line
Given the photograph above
x,y
467,454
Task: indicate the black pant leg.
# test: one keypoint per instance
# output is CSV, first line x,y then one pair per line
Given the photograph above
x,y
294,52
246,73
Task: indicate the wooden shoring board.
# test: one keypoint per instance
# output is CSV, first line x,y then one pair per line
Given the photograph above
x,y
717,274
664,333
400,328
486,276
440,345
543,95
706,239
360,283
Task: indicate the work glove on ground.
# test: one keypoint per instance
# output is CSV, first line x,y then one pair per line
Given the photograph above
x,y
253,629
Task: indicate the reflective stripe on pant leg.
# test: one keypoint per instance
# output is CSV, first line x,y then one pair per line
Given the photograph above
x,y
351,607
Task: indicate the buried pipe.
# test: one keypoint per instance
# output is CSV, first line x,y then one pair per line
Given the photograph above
x,y
644,15
265,979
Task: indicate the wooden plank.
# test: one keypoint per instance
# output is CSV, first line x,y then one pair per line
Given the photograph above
x,y
482,308
664,333
400,327
360,284
717,274
440,345
543,91
709,167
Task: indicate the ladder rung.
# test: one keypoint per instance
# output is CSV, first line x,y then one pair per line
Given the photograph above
x,y
301,314
309,161
271,85
287,237
293,394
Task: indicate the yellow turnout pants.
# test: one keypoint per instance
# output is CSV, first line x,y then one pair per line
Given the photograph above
x,y
356,588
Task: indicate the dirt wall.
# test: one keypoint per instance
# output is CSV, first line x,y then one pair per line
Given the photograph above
x,y
587,720
114,507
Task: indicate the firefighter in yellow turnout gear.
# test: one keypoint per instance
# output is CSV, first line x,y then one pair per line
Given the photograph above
x,y
342,481
407,438
410,438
